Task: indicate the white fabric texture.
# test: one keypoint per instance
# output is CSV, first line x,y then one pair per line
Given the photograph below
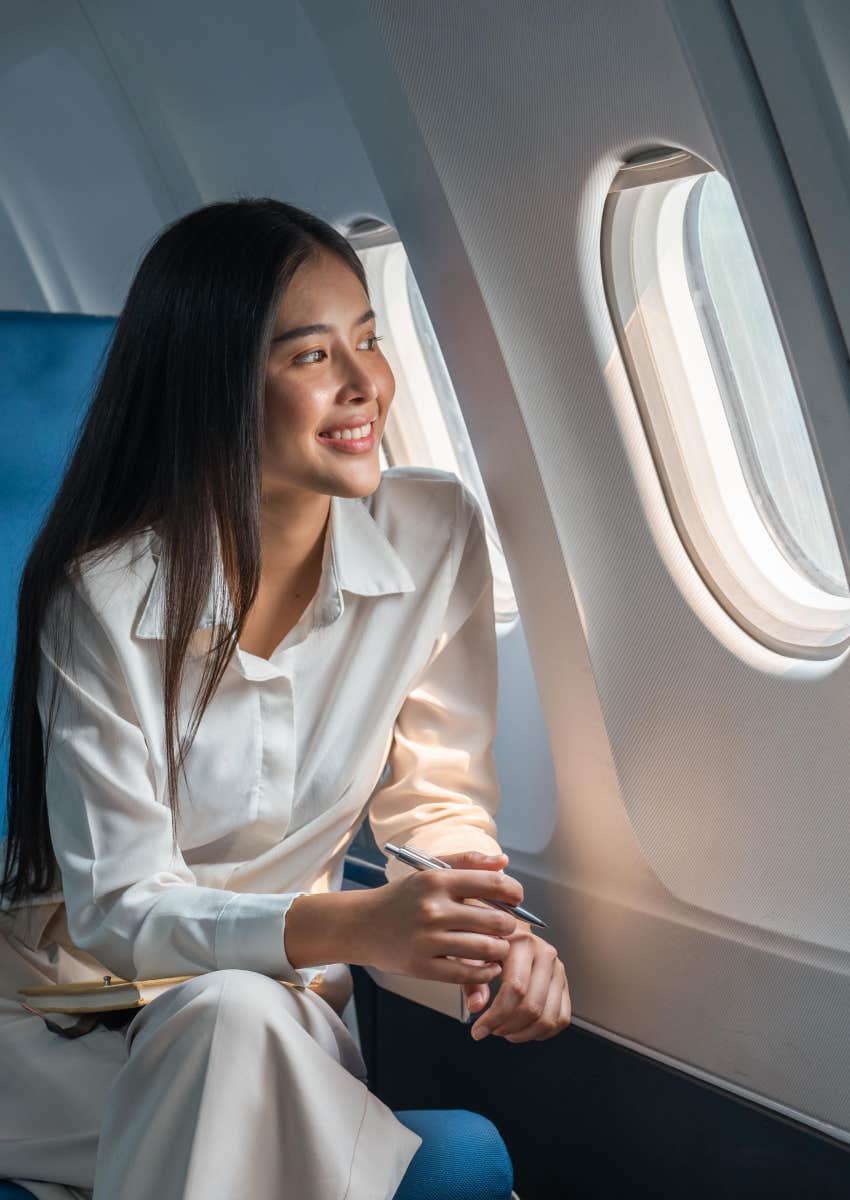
x,y
226,1085
393,662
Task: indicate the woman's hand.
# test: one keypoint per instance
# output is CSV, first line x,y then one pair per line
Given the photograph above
x,y
421,925
533,1002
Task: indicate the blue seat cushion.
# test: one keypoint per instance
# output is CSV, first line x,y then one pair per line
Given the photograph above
x,y
48,364
462,1157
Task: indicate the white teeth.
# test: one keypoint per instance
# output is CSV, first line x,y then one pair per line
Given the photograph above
x,y
349,434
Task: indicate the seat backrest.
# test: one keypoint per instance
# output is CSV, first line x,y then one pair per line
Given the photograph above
x,y
48,363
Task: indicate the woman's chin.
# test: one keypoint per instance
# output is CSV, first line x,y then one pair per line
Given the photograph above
x,y
357,479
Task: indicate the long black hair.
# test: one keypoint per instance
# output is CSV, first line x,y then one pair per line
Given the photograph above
x,y
172,440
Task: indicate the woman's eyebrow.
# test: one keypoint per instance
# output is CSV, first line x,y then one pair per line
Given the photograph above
x,y
306,330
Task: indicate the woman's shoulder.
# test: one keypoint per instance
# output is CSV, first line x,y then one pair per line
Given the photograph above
x,y
98,599
428,507
401,480
112,578
424,515
423,493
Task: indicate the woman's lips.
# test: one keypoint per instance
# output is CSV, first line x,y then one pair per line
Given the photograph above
x,y
349,445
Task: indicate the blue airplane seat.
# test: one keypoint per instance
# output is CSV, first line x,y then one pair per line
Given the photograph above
x,y
47,368
452,1140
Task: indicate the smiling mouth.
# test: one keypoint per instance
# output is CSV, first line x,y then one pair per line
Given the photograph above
x,y
353,445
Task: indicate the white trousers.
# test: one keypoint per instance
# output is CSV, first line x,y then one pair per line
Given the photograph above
x,y
227,1085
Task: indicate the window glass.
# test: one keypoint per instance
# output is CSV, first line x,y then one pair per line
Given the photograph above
x,y
756,387
723,418
425,426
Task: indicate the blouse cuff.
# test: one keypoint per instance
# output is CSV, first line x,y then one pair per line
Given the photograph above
x,y
250,935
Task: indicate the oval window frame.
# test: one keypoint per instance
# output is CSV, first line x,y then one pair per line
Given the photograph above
x,y
802,621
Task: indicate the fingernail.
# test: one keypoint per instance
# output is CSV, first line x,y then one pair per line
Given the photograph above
x,y
480,1033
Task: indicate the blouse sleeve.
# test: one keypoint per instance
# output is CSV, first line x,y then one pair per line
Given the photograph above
x,y
443,791
131,901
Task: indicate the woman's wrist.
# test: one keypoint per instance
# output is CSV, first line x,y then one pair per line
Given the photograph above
x,y
328,927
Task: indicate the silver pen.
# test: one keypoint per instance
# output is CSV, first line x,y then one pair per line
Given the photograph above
x,y
422,862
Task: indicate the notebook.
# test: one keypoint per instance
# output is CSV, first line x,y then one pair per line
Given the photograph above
x,y
109,993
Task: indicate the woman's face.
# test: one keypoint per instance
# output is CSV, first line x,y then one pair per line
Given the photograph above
x,y
324,380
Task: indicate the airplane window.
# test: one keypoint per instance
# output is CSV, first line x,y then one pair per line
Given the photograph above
x,y
757,390
719,405
425,426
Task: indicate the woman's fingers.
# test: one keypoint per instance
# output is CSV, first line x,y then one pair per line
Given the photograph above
x,y
479,885
476,994
450,970
470,917
531,1006
515,978
566,1005
546,1025
466,945
476,859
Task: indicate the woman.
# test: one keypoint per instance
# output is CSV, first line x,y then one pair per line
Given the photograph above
x,y
229,622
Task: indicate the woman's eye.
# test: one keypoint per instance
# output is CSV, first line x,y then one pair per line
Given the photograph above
x,y
305,357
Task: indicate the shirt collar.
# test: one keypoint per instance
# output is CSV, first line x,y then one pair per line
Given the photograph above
x,y
358,557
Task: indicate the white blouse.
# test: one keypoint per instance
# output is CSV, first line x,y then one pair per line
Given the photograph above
x,y
394,660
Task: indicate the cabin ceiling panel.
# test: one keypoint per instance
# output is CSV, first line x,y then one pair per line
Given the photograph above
x,y
238,100
80,192
118,117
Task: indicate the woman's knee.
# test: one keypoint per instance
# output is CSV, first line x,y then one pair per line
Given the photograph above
x,y
247,994
244,1001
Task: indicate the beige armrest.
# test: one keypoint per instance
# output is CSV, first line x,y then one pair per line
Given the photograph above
x,y
446,998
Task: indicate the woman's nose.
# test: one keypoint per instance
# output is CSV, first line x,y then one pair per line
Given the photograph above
x,y
359,376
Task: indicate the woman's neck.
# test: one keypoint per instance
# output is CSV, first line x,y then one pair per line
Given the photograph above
x,y
292,542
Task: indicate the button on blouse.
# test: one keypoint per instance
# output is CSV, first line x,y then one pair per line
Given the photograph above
x,y
393,661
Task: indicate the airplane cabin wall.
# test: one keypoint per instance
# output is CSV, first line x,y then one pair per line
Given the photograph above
x,y
695,879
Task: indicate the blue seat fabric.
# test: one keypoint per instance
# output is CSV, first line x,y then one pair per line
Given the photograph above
x,y
462,1157
48,363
